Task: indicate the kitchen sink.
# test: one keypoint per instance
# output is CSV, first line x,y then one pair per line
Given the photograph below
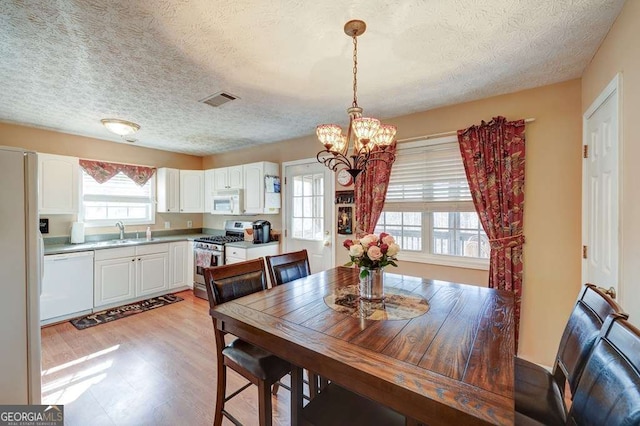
x,y
116,242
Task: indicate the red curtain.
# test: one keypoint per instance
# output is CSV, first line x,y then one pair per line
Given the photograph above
x,y
370,192
102,171
493,156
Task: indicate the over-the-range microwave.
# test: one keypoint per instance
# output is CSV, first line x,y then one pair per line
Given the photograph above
x,y
227,201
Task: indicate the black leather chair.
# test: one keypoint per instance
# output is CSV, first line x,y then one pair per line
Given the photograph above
x,y
226,283
539,394
609,389
288,267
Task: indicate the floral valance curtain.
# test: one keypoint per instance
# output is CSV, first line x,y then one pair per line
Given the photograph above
x,y
493,157
370,192
102,171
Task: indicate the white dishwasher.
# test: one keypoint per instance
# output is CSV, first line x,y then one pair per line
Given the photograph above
x,y
67,286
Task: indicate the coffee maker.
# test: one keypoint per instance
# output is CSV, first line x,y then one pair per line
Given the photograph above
x,y
261,231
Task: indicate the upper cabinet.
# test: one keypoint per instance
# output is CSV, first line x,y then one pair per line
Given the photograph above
x,y
228,178
58,184
168,190
192,191
261,196
180,191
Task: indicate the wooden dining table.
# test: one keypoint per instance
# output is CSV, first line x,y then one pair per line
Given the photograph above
x,y
452,364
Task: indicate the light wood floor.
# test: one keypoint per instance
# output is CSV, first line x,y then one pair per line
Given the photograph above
x,y
154,368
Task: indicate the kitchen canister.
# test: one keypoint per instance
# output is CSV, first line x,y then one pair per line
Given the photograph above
x,y
77,233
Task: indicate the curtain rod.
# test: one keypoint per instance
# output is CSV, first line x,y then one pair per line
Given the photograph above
x,y
443,134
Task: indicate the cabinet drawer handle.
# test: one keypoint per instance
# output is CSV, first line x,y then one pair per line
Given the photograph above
x,y
133,260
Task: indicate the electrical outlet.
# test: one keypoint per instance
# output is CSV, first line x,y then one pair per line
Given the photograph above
x,y
167,225
189,224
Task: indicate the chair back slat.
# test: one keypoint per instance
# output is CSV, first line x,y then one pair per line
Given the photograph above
x,y
609,390
288,267
581,332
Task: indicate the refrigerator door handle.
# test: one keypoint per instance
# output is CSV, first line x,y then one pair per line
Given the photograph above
x,y
40,260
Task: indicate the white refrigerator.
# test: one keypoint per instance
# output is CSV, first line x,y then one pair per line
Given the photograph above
x,y
20,272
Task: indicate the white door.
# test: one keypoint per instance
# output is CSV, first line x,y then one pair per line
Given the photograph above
x,y
600,192
308,218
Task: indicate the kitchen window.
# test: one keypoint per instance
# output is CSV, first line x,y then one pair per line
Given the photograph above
x,y
428,207
119,198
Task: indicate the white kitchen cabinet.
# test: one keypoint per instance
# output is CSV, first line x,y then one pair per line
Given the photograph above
x,y
180,191
178,264
168,190
256,199
228,178
130,273
58,184
192,191
240,254
115,276
209,187
152,273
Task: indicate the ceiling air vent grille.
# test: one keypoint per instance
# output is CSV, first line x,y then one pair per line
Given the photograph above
x,y
218,99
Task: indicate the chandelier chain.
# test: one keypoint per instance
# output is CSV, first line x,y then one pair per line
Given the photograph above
x,y
355,71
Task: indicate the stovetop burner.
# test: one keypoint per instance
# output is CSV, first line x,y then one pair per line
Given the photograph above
x,y
220,239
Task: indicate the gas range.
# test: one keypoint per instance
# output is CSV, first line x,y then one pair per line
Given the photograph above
x,y
209,251
220,239
234,232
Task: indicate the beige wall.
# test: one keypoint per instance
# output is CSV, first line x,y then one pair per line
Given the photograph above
x,y
552,193
552,200
620,52
50,142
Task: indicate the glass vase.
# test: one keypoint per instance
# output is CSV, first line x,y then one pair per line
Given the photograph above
x,y
372,284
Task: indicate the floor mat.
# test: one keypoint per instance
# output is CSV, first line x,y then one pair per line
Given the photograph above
x,y
113,314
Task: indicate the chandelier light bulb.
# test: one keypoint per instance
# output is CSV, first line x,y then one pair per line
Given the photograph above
x,y
365,128
386,134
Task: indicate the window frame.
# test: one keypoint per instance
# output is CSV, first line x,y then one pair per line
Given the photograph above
x,y
102,223
427,209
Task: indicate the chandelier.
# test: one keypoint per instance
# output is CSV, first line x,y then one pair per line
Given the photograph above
x,y
366,139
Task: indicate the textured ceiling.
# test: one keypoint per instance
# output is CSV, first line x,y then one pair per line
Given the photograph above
x,y
65,64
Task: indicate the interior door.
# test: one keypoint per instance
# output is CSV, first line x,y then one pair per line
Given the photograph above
x,y
600,193
308,212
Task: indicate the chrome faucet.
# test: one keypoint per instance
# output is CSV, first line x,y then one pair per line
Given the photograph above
x,y
120,226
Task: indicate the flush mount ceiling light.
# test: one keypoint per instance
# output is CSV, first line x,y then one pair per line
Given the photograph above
x,y
365,135
120,127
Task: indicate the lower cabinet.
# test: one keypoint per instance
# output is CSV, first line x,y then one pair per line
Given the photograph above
x,y
240,254
128,273
178,264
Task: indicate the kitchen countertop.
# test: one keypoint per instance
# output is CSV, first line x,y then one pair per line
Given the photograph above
x,y
100,245
249,244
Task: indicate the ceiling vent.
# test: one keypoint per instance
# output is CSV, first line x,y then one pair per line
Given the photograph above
x,y
218,99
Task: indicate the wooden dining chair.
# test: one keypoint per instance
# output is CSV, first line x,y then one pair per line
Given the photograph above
x,y
608,392
539,394
288,267
261,368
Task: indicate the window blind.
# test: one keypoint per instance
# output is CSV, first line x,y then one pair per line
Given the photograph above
x,y
118,188
428,174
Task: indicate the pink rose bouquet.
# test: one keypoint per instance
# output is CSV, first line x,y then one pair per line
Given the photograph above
x,y
372,252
